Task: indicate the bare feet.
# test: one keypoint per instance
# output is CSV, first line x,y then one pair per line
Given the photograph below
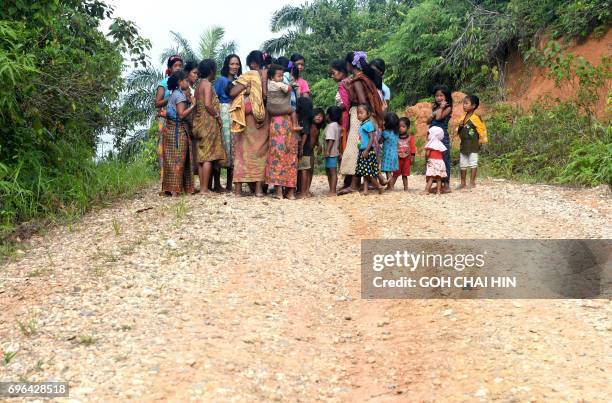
x,y
460,187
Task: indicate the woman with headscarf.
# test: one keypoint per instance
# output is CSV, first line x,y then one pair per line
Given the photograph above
x,y
249,130
231,70
175,63
362,89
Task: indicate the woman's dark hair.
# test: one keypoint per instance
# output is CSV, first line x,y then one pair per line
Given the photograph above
x,y
171,61
296,56
175,78
267,58
283,61
226,63
189,66
367,107
340,66
334,113
447,95
207,67
380,65
305,113
366,69
319,111
256,56
405,121
474,100
272,69
391,122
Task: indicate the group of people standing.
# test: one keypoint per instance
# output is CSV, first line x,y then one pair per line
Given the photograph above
x,y
261,127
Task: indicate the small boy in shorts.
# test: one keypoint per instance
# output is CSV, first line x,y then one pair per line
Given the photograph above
x,y
472,133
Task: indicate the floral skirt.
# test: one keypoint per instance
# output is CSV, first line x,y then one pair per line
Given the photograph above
x,y
367,166
436,167
281,166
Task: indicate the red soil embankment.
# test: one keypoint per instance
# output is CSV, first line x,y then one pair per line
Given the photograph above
x,y
525,85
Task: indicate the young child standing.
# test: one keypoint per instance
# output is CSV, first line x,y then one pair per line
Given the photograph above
x,y
406,151
390,136
367,162
305,151
333,133
436,169
472,133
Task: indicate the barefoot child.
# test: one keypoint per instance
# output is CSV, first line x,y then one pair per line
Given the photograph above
x,y
333,133
436,169
367,162
472,133
390,136
318,123
405,153
279,95
305,116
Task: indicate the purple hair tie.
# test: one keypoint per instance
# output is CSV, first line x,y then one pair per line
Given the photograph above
x,y
357,56
290,65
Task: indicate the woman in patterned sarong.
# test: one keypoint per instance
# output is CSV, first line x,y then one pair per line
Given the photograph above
x,y
177,174
175,63
207,124
249,129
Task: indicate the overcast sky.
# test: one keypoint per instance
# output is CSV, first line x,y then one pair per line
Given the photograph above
x,y
245,21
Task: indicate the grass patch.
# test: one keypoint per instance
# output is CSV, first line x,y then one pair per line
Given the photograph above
x,y
8,356
29,327
32,191
549,144
86,340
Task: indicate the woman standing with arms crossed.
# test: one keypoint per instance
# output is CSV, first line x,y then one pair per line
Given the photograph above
x,y
231,70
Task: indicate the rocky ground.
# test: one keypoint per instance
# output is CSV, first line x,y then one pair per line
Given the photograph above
x,y
225,299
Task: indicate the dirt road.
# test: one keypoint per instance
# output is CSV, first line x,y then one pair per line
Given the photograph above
x,y
224,299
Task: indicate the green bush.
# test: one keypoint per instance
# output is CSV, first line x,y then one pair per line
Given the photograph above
x,y
324,93
551,143
30,189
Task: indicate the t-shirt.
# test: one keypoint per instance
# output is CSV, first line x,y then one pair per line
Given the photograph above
x,y
164,84
386,92
365,129
333,131
302,85
472,135
175,98
406,147
221,86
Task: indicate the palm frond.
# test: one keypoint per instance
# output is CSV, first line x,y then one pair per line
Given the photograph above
x,y
209,42
186,51
279,45
166,53
143,79
226,48
287,17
